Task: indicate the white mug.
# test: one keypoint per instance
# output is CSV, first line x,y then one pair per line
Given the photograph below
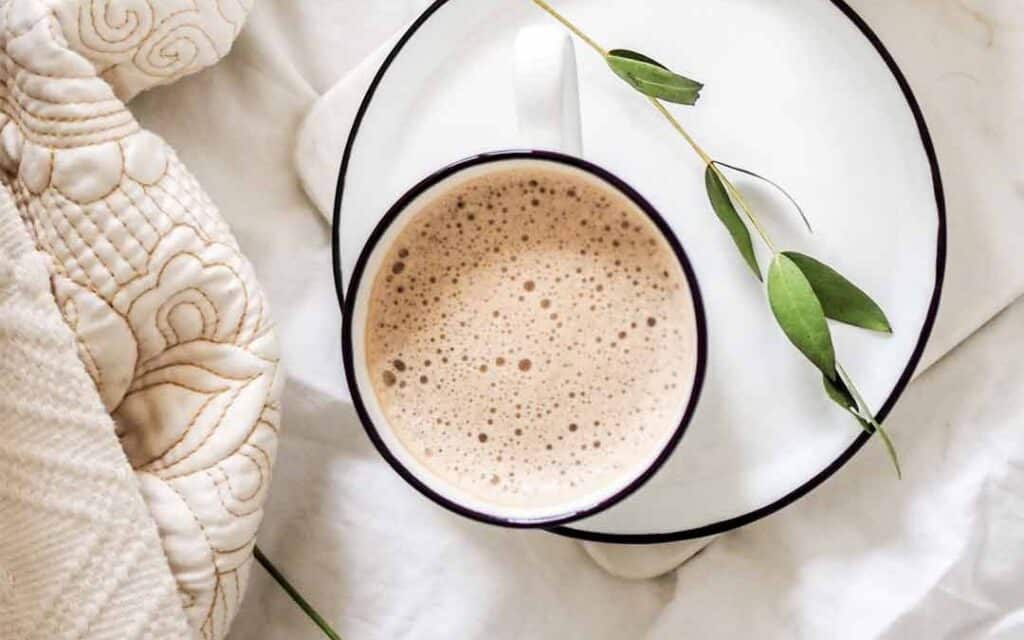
x,y
357,301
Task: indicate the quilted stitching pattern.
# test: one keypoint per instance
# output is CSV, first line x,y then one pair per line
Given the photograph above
x,y
138,44
80,557
171,323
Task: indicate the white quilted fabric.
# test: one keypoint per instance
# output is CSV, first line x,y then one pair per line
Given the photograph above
x,y
138,44
171,323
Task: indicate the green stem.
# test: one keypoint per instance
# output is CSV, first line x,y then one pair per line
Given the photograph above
x,y
295,595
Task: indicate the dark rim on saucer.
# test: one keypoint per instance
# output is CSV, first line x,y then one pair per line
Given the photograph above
x,y
726,524
353,290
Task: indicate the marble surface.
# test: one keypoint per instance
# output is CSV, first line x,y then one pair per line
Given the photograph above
x,y
965,61
936,556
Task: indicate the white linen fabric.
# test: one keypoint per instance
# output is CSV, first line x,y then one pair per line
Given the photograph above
x,y
170,322
864,556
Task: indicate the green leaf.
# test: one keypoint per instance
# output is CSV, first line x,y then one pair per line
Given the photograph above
x,y
775,185
847,397
800,315
839,394
639,57
840,298
726,212
651,78
872,426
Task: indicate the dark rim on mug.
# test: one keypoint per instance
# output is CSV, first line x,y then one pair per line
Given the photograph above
x,y
357,280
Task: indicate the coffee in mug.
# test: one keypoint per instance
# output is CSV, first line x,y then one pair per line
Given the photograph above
x,y
528,337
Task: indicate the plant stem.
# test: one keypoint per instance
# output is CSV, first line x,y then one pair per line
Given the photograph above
x,y
295,595
737,196
862,408
792,200
708,161
571,27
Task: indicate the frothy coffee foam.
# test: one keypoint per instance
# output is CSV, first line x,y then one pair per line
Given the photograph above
x,y
530,336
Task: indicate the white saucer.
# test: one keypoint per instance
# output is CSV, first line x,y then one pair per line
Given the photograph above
x,y
799,90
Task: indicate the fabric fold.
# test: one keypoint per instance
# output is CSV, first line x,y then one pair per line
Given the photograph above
x,y
169,320
80,556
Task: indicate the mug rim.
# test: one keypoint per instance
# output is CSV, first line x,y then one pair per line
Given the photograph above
x,y
348,355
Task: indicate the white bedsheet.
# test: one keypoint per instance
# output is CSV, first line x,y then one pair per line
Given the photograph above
x,y
938,555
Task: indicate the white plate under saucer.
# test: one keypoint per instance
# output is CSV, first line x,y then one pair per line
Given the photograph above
x,y
799,90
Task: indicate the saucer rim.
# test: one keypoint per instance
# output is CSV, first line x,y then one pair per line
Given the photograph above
x,y
728,524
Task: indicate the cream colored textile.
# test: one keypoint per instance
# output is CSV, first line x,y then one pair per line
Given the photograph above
x,y
171,323
138,44
79,553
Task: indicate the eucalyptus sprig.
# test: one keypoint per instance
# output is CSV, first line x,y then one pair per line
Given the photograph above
x,y
296,597
803,293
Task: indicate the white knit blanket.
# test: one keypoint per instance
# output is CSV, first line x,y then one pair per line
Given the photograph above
x,y
169,323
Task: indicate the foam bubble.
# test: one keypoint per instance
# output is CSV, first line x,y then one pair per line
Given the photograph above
x,y
492,388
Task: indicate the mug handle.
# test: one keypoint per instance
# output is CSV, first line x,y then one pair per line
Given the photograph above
x,y
547,90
